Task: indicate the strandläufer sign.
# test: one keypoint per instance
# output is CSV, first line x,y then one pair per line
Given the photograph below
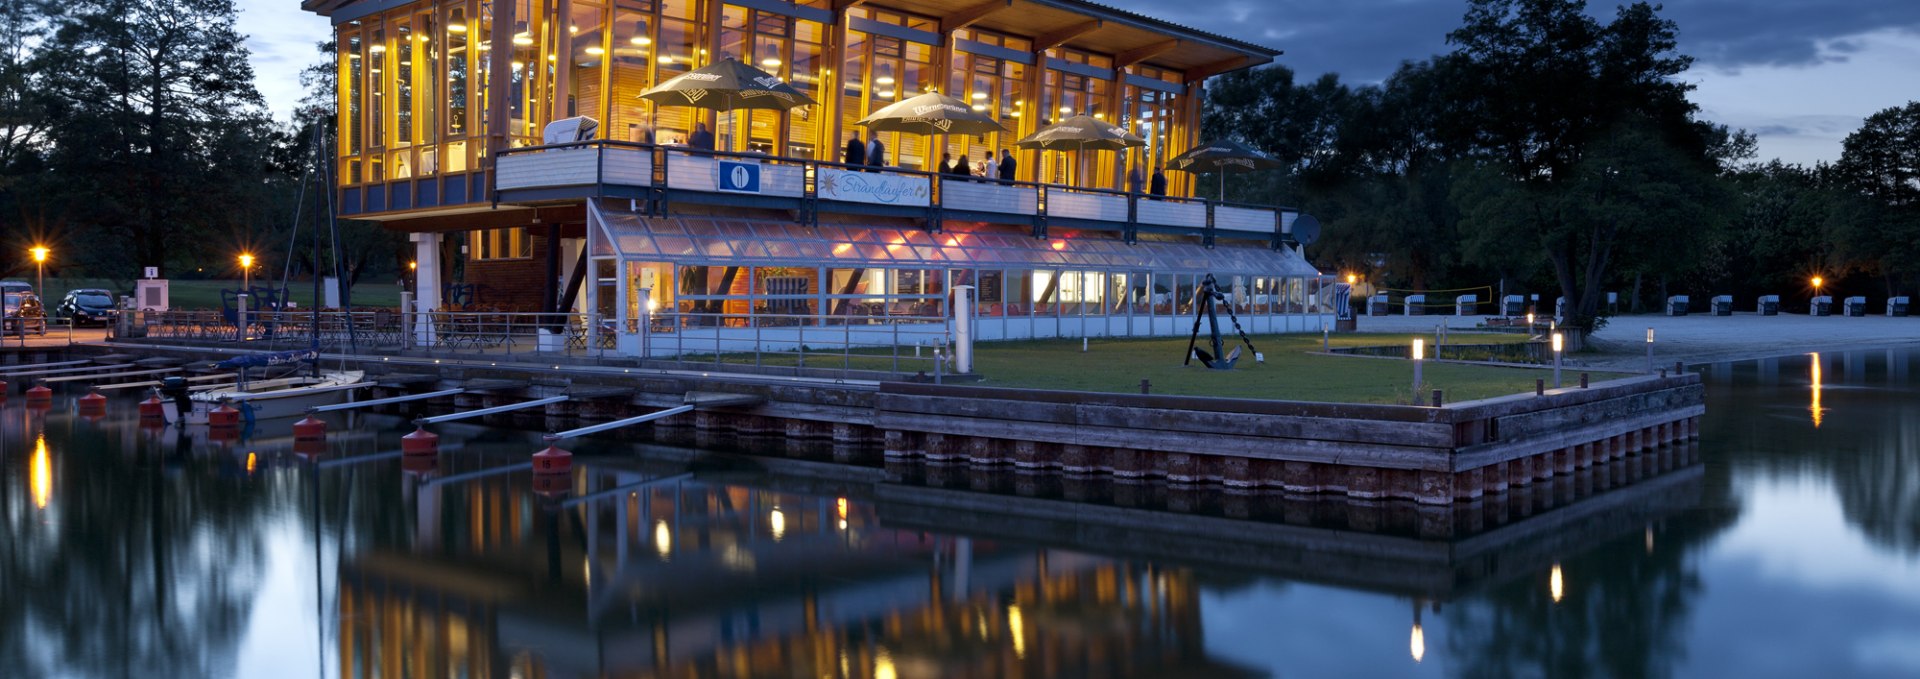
x,y
873,187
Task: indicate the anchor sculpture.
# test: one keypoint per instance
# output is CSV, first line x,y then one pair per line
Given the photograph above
x,y
1204,298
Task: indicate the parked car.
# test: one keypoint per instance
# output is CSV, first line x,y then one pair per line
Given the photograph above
x,y
88,306
21,312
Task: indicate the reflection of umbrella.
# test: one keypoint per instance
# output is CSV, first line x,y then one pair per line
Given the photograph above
x,y
1221,156
1080,133
727,85
930,114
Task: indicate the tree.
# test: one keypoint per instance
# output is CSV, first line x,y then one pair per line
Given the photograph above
x,y
23,103
1881,163
156,133
1539,83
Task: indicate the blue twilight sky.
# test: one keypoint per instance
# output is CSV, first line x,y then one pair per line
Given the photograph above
x,y
1801,74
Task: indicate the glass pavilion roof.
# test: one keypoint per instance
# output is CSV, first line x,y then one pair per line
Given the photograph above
x,y
720,241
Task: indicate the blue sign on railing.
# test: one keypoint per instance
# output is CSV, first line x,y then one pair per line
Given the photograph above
x,y
739,177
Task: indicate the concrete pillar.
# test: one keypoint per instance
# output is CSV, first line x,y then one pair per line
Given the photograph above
x,y
427,284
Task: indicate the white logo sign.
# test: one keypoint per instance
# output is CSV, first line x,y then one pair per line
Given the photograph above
x,y
873,187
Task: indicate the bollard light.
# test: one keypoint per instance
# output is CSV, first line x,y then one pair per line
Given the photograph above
x,y
1559,343
1649,349
1419,354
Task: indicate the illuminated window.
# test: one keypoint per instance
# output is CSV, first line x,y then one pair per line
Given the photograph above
x,y
497,244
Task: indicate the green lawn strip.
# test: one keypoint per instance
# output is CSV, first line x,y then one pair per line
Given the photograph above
x,y
1292,371
205,294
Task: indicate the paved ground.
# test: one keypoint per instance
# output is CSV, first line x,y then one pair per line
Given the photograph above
x,y
56,337
1702,339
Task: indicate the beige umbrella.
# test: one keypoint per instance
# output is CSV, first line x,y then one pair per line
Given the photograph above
x,y
930,114
1080,133
727,85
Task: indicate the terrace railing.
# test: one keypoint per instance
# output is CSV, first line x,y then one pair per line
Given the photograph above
x,y
655,177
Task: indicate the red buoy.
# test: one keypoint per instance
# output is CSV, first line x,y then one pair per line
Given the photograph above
x,y
420,442
419,464
551,485
223,434
152,408
310,450
553,460
310,429
92,403
223,417
40,395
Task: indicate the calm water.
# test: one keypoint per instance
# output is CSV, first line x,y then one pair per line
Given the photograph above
x,y
1786,543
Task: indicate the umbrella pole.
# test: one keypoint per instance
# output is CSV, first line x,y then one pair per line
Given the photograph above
x,y
1223,185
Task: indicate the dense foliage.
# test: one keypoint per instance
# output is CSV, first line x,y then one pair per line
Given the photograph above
x,y
131,135
1553,153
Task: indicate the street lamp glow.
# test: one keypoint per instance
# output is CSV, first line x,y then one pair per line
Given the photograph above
x,y
1420,347
39,253
1558,342
1818,281
246,270
1352,279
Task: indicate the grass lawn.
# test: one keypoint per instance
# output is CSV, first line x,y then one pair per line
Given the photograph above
x,y
205,294
1291,372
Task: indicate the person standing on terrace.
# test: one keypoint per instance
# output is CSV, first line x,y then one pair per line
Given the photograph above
x,y
876,152
1007,165
701,139
856,153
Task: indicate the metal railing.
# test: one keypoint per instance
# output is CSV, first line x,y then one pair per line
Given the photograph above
x,y
898,344
662,187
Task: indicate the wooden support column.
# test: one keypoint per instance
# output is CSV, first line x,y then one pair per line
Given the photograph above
x,y
499,79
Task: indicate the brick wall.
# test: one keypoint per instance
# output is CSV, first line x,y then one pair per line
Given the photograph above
x,y
514,284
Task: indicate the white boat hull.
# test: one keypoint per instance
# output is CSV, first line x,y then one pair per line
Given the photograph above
x,y
291,401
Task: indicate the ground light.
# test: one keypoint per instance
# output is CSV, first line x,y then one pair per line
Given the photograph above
x,y
1558,345
1419,355
1649,350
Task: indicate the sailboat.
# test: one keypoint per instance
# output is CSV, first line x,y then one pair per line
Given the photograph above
x,y
286,396
262,399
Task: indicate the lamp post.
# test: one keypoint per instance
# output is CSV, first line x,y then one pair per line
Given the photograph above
x,y
1419,356
39,253
1817,282
246,270
1558,345
1649,351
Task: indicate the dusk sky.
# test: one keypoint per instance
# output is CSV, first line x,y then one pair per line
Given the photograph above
x,y
1801,74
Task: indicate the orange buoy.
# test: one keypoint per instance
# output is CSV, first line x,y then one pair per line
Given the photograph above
x,y
223,434
152,408
223,417
310,429
40,395
420,442
553,460
93,403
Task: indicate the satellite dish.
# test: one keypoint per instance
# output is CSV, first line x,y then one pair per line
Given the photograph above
x,y
1305,229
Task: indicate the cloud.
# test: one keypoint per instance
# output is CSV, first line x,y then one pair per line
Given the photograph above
x,y
1364,40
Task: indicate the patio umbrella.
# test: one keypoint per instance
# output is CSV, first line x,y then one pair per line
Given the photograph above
x,y
930,114
1080,133
1222,156
727,85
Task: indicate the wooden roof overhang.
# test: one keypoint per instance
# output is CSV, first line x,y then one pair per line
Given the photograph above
x,y
1128,37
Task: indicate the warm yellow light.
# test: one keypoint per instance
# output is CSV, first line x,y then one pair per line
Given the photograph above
x,y
883,80
252,460
652,305
883,664
1017,629
1352,279
41,476
979,95
662,539
1059,245
778,520
770,62
1819,413
39,253
1555,585
595,50
246,261
523,40
413,266
377,48
842,248
1418,644
456,28
1558,342
1420,348
640,40
518,64
1817,281
840,507
665,59
1066,109
1529,319
979,107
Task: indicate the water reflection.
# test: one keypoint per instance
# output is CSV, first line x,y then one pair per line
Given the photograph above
x,y
1777,536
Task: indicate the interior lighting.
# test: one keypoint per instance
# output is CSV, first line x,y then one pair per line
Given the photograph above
x,y
640,40
595,50
522,39
979,95
1059,245
665,59
770,62
456,28
377,48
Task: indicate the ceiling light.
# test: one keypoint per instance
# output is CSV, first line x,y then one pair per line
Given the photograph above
x,y
596,50
979,95
665,59
770,62
456,28
641,40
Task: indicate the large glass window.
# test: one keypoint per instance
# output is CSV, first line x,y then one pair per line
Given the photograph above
x,y
494,244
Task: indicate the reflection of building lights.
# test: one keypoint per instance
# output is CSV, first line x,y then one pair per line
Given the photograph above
x,y
41,478
1017,628
1418,644
1059,245
842,248
1649,539
251,460
840,508
1819,413
662,539
843,524
1555,585
778,520
883,664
